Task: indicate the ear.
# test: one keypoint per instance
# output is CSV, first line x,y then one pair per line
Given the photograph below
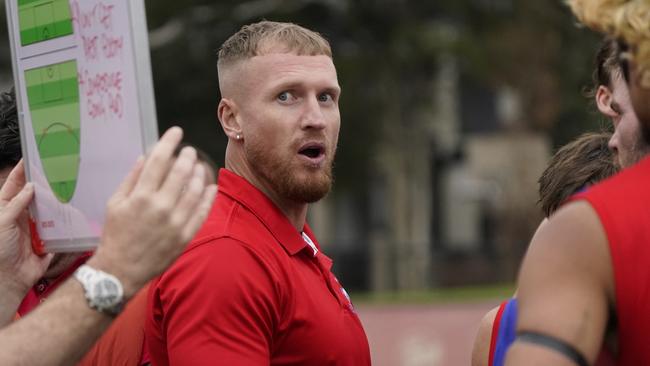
x,y
227,113
604,101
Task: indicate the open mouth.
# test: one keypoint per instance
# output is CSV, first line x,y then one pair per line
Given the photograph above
x,y
312,151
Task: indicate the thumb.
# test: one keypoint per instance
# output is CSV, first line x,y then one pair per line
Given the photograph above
x,y
18,204
14,183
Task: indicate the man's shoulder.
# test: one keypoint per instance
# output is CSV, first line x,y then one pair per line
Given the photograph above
x,y
223,256
225,247
223,265
231,222
630,181
620,203
256,242
232,241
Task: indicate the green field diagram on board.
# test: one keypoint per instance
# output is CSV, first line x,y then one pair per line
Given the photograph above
x,y
40,20
53,98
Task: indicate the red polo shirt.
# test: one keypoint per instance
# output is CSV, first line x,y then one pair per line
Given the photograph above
x,y
250,291
43,288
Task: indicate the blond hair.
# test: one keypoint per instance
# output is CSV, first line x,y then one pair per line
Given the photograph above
x,y
266,36
628,20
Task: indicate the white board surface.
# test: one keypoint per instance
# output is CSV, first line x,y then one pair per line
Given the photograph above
x,y
86,108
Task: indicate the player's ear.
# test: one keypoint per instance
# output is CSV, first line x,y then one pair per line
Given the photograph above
x,y
228,114
604,100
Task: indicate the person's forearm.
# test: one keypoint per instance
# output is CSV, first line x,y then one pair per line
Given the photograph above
x,y
9,302
59,332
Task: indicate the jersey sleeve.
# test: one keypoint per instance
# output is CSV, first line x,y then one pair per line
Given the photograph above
x,y
219,304
495,332
504,332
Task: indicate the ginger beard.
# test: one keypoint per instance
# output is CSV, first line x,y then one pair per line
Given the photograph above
x,y
289,177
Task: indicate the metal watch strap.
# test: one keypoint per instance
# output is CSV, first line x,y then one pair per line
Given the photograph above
x,y
89,277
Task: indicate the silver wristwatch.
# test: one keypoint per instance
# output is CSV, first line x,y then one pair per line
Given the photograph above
x,y
104,291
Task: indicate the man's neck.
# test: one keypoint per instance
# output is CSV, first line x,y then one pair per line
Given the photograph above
x,y
296,212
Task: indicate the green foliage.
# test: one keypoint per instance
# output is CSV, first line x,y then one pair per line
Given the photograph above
x,y
386,53
437,296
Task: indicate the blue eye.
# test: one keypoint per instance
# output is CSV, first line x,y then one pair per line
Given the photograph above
x,y
284,96
325,97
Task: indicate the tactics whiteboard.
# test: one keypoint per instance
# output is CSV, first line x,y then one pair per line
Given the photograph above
x,y
86,109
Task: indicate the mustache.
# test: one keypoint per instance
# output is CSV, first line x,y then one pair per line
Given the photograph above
x,y
317,137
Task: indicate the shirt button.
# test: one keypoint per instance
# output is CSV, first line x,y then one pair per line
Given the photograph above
x,y
40,287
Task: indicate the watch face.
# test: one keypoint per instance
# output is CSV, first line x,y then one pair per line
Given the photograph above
x,y
106,293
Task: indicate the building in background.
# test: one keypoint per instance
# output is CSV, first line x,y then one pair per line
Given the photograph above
x,y
450,110
453,198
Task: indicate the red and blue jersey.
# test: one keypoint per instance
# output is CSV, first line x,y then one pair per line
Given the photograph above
x,y
504,332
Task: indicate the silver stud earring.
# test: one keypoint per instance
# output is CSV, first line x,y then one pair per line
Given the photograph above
x,y
238,137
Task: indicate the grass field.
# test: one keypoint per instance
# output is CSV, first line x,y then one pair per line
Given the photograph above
x,y
436,296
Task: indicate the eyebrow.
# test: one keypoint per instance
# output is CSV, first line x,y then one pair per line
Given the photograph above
x,y
291,85
334,91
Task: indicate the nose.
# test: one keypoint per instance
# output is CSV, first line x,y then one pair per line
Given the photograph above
x,y
313,117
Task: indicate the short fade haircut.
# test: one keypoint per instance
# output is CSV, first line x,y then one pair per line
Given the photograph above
x,y
576,165
10,152
258,38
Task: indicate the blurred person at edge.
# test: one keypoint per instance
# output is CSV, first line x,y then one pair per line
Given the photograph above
x,y
589,266
574,167
612,99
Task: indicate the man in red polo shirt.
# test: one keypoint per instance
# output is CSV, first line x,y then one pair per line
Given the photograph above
x,y
253,287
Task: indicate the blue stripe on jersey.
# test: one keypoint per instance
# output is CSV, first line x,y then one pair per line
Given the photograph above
x,y
507,332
